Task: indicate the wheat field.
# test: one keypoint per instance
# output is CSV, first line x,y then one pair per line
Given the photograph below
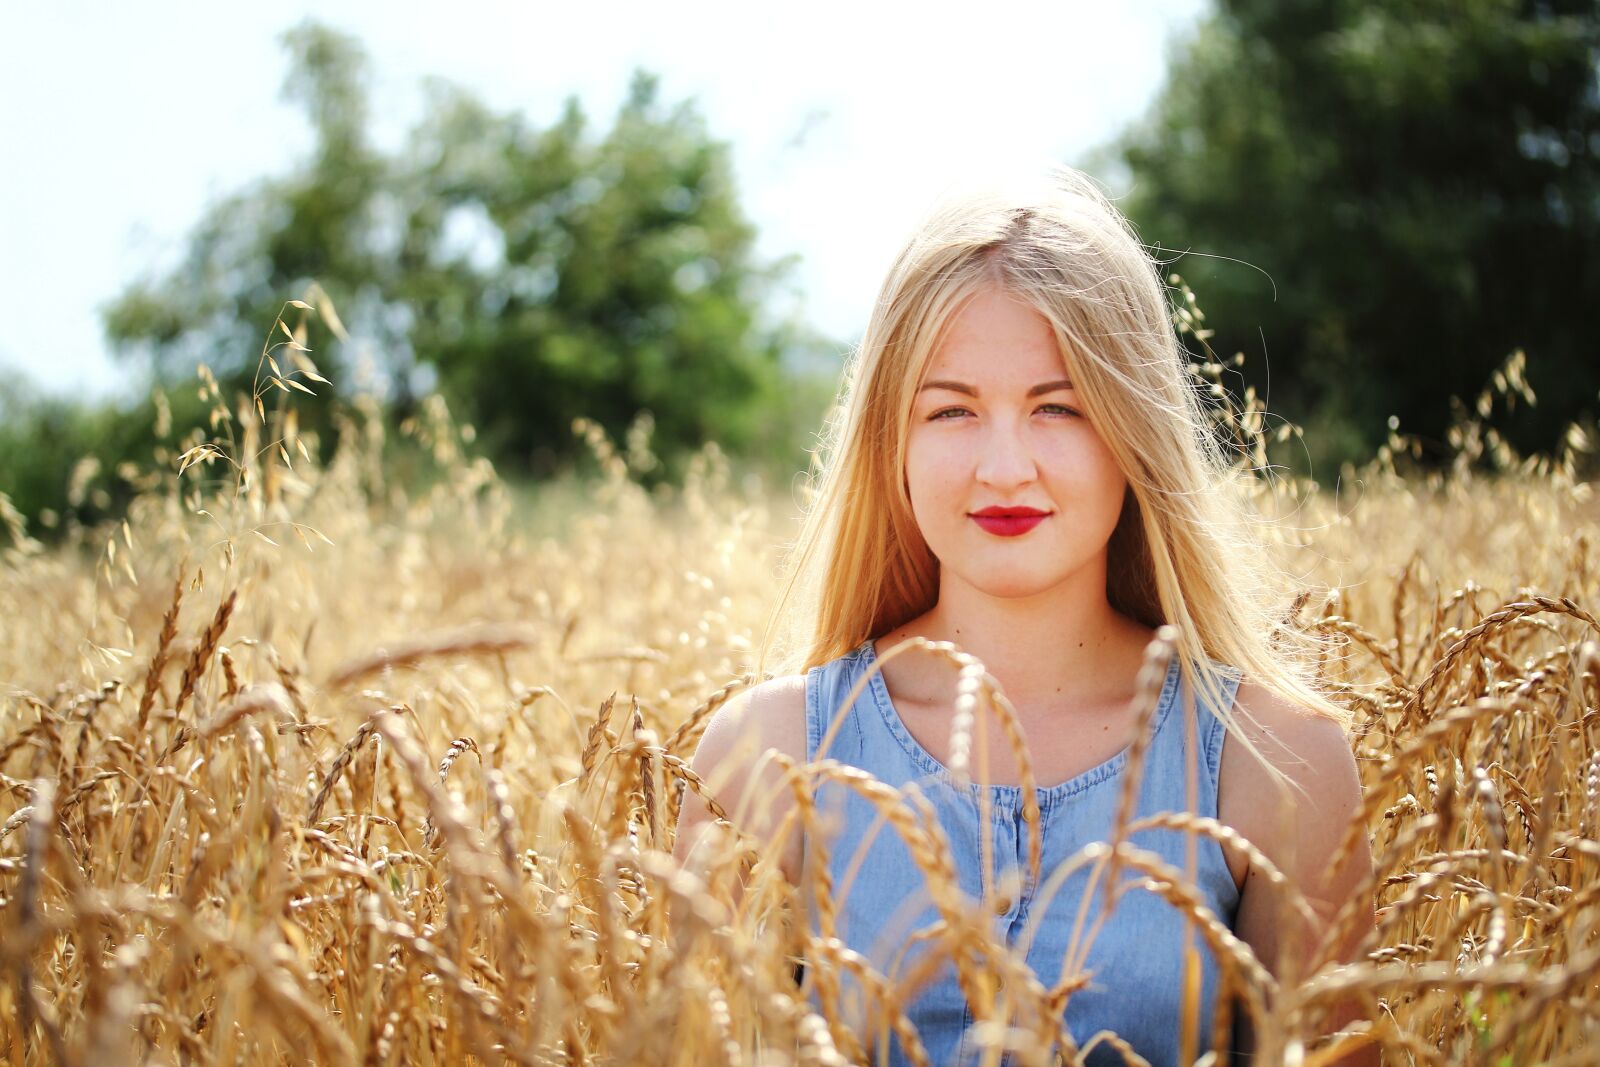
x,y
298,766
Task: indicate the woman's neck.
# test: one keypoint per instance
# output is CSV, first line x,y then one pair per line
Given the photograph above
x,y
1063,646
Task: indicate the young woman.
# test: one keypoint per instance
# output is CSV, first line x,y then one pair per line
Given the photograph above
x,y
1022,467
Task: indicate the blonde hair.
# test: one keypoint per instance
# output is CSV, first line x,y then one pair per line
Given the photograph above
x,y
1184,551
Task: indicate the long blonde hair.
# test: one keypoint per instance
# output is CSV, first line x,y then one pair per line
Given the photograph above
x,y
1184,551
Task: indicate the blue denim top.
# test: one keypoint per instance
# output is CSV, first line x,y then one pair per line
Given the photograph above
x,y
1135,958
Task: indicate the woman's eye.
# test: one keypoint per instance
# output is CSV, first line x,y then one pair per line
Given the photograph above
x,y
946,414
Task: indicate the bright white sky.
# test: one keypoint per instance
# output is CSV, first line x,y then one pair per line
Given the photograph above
x,y
120,122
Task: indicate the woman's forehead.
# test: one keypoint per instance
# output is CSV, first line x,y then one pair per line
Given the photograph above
x,y
993,315
998,351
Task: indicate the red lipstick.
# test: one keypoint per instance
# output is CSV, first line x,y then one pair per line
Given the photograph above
x,y
1009,522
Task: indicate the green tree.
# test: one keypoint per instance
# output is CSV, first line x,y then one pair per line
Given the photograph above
x,y
1397,193
534,274
266,242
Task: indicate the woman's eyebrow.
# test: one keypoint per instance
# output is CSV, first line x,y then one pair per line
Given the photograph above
x,y
962,387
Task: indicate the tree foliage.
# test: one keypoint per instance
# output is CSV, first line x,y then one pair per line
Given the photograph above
x,y
1399,194
534,274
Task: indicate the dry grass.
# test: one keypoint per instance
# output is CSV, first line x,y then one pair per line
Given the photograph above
x,y
296,767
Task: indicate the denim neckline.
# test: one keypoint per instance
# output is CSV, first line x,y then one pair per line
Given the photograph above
x,y
866,656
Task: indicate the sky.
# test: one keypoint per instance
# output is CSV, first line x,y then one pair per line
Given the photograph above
x,y
120,123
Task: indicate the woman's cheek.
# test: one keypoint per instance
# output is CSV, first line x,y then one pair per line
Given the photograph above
x,y
933,477
927,464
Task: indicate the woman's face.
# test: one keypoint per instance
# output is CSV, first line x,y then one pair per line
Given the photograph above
x,y
997,425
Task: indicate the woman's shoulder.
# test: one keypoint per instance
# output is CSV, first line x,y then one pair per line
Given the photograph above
x,y
1297,748
1293,737
735,765
1297,820
768,715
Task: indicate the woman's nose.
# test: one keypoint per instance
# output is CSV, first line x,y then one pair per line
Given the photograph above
x,y
1005,458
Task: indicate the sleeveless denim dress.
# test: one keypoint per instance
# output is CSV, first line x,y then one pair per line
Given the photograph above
x,y
1135,959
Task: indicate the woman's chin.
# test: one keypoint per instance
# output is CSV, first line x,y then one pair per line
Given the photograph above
x,y
1016,586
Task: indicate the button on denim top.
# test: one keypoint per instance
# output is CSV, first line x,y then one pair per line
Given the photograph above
x,y
1136,957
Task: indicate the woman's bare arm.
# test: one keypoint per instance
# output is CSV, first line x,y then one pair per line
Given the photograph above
x,y
1298,831
734,761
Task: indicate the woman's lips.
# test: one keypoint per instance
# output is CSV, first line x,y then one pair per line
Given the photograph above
x,y
1009,522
